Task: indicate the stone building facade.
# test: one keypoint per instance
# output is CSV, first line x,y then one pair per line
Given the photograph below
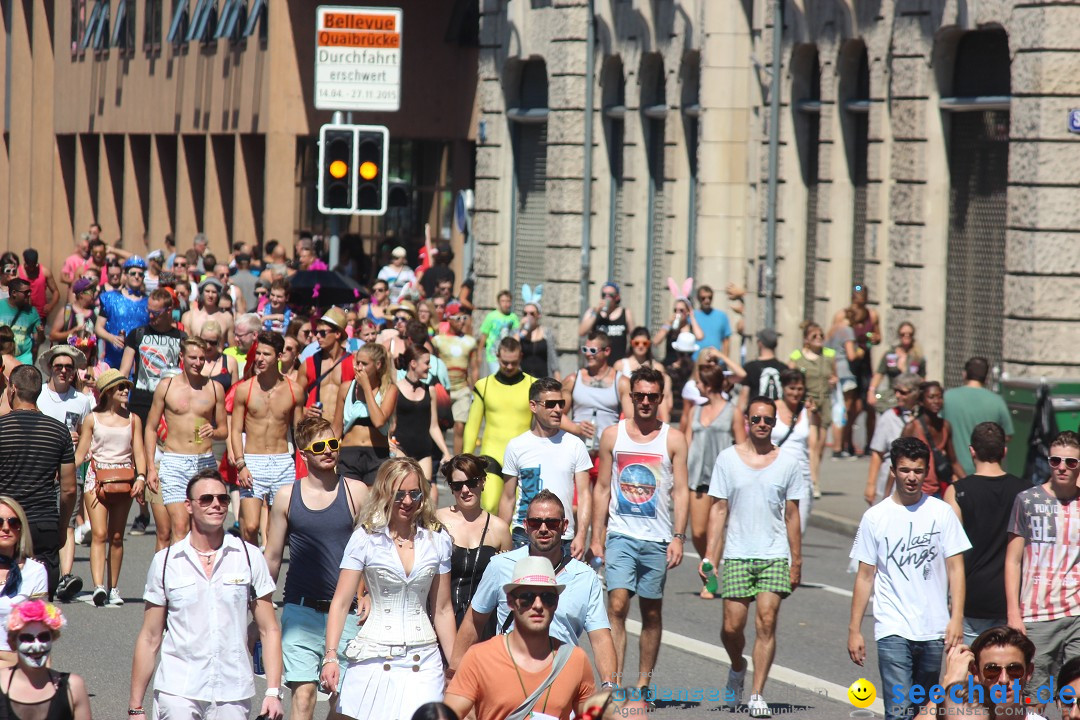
x,y
924,152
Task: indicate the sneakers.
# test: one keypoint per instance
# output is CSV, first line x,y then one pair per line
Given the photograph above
x,y
83,535
139,525
734,690
757,707
100,595
114,598
68,587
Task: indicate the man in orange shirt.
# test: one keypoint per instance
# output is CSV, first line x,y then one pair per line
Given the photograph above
x,y
484,681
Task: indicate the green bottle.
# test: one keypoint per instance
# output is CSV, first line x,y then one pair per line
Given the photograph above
x,y
711,582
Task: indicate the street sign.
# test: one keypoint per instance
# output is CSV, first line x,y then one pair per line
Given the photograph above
x,y
358,58
1074,121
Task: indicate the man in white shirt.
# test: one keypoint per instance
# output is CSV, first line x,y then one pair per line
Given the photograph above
x,y
910,550
754,527
547,458
62,402
201,588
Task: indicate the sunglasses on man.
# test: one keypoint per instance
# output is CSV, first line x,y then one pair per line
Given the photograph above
x,y
534,524
1070,463
551,404
758,419
526,598
208,499
320,446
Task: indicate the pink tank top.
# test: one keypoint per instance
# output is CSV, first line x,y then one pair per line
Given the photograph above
x,y
37,289
111,446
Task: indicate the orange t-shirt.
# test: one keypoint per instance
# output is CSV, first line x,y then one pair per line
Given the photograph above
x,y
487,677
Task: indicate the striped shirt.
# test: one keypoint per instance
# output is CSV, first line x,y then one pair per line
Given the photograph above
x,y
1051,563
33,446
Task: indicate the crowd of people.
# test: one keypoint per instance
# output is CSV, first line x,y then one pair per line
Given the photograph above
x,y
251,423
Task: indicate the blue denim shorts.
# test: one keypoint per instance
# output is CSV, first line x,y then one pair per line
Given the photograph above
x,y
639,566
303,642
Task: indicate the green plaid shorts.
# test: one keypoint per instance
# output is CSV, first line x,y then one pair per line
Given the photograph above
x,y
747,578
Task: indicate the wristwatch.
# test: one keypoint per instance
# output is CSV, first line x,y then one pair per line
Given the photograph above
x,y
679,536
273,692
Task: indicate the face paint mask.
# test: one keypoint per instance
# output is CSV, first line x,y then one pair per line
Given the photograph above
x,y
34,649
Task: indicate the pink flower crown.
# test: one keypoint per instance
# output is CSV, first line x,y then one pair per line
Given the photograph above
x,y
33,611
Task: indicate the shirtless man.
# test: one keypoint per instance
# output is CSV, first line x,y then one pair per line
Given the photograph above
x,y
208,309
266,407
194,410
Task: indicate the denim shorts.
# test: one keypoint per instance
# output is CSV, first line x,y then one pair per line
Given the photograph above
x,y
639,566
303,642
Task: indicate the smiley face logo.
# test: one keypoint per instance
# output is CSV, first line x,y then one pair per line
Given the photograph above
x,y
862,693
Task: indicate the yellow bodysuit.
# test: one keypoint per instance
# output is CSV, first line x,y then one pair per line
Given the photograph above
x,y
503,406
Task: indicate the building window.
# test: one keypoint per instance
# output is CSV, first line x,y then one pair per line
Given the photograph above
x,y
203,18
179,25
97,27
257,13
232,20
123,35
152,28
78,25
807,133
614,101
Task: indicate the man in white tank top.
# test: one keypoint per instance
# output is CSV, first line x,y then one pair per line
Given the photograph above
x,y
643,484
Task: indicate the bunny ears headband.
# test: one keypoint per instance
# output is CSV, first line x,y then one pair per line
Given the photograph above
x,y
681,293
531,296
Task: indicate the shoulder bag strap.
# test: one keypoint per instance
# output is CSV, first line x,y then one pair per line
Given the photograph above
x,y
318,381
562,655
795,417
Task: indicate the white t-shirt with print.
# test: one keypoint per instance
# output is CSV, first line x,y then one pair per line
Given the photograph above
x,y
542,463
908,544
70,408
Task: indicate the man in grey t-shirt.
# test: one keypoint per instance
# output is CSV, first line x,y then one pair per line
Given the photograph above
x,y
890,425
754,526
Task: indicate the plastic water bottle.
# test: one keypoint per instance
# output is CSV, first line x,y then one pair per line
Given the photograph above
x,y
593,442
711,582
257,659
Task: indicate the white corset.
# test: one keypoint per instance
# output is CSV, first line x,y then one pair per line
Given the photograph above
x,y
399,618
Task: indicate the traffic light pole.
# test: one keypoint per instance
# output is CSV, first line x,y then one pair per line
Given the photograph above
x,y
335,224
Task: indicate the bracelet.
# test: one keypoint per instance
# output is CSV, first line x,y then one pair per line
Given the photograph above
x,y
607,685
329,661
136,711
240,465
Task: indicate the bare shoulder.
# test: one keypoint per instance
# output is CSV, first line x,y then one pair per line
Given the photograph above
x,y
499,525
676,438
77,685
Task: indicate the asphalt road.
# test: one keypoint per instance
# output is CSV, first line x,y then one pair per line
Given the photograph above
x,y
809,679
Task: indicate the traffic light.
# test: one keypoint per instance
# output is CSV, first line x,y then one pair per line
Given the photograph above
x,y
336,170
352,169
372,150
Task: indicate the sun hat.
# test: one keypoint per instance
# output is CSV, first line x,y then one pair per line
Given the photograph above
x,y
110,379
533,571
399,252
685,343
45,360
334,316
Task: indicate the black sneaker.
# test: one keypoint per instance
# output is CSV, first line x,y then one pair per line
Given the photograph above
x,y
139,525
68,587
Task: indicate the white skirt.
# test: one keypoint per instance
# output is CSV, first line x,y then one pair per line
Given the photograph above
x,y
392,689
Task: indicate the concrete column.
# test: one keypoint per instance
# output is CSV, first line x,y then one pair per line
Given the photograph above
x,y
110,189
161,190
1042,282
244,220
279,189
190,182
44,162
136,191
218,193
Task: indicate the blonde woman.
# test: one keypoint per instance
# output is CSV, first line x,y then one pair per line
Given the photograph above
x,y
21,577
219,366
112,438
362,417
403,554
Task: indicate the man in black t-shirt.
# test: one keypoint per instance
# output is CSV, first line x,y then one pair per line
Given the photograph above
x,y
984,502
34,450
150,351
763,374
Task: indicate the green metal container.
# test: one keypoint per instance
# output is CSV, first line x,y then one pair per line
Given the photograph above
x,y
1020,395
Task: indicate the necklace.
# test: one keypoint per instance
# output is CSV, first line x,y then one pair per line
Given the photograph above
x,y
551,649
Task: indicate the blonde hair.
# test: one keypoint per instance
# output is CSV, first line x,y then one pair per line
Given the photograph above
x,y
377,354
191,341
375,514
25,548
212,327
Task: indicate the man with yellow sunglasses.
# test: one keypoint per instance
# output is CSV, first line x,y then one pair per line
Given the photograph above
x,y
316,515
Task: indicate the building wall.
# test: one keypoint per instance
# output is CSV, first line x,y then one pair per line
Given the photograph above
x,y
194,137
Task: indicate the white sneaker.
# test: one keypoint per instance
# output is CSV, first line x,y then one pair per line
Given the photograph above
x,y
758,707
734,690
114,598
82,534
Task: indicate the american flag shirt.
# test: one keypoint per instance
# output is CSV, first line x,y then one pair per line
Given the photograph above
x,y
1050,578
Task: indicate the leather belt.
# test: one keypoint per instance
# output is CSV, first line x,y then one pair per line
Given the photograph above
x,y
322,606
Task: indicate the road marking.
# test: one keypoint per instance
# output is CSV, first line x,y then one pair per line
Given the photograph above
x,y
800,680
827,588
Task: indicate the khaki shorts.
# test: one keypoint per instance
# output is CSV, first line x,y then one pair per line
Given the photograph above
x,y
461,401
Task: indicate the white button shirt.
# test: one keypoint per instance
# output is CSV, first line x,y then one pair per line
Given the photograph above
x,y
204,652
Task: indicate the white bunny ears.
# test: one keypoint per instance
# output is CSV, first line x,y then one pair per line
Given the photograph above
x,y
531,296
681,293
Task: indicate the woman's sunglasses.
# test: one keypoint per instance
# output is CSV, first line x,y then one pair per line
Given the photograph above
x,y
319,446
12,523
1070,463
414,495
459,485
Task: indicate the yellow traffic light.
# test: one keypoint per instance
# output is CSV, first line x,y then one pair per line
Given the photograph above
x,y
339,169
368,170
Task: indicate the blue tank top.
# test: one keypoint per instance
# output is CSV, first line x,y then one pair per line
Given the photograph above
x,y
356,410
317,540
